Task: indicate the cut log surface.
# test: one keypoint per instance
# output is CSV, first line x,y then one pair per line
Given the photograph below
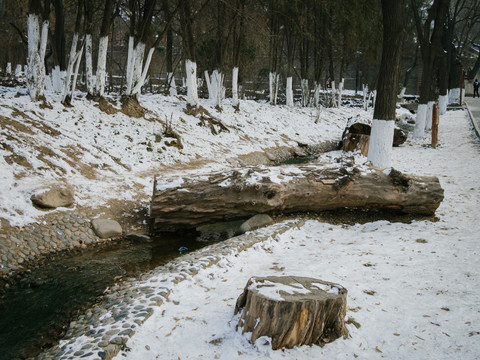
x,y
190,202
292,311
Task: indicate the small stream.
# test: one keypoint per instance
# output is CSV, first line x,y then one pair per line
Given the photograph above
x,y
35,311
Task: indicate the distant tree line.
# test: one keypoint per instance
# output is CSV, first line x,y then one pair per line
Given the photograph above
x,y
269,44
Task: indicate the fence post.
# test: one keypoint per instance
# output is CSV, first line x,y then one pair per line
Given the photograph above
x,y
435,121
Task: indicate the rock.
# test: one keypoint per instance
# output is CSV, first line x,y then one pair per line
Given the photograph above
x,y
255,222
412,106
106,228
57,196
138,237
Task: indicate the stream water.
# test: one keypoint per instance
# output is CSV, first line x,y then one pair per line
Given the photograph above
x,y
36,310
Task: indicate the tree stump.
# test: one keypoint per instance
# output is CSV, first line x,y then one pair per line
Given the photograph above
x,y
357,137
293,310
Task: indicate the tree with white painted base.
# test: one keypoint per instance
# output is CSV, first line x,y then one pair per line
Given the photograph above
x,y
381,137
430,46
186,22
37,44
170,88
238,39
275,45
96,84
139,28
74,59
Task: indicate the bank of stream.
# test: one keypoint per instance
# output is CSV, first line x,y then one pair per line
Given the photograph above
x,y
36,310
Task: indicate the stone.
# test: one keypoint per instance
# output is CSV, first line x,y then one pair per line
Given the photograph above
x,y
106,228
138,237
255,222
57,196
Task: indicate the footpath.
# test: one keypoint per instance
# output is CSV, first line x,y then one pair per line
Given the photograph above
x,y
473,108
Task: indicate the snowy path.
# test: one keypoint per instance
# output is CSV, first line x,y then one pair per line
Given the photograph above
x,y
413,288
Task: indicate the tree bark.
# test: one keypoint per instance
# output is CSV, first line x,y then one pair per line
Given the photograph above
x,y
293,311
379,152
242,193
430,45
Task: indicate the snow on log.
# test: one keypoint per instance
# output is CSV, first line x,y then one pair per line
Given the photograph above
x,y
292,310
189,202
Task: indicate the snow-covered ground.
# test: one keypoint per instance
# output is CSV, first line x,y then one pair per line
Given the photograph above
x,y
412,288
108,156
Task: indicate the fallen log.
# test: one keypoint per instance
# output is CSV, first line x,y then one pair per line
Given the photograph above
x,y
241,193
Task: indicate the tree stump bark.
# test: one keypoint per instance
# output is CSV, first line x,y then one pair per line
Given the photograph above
x,y
357,137
292,310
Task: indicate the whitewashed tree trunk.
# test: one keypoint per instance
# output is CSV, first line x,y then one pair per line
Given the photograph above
x,y
209,85
130,64
143,73
89,64
402,93
454,96
101,66
74,60
340,90
171,84
18,70
56,79
75,74
217,87
289,91
235,101
274,80
374,95
37,44
419,130
365,92
192,92
442,104
138,64
316,94
381,140
333,95
305,92
8,69
428,118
